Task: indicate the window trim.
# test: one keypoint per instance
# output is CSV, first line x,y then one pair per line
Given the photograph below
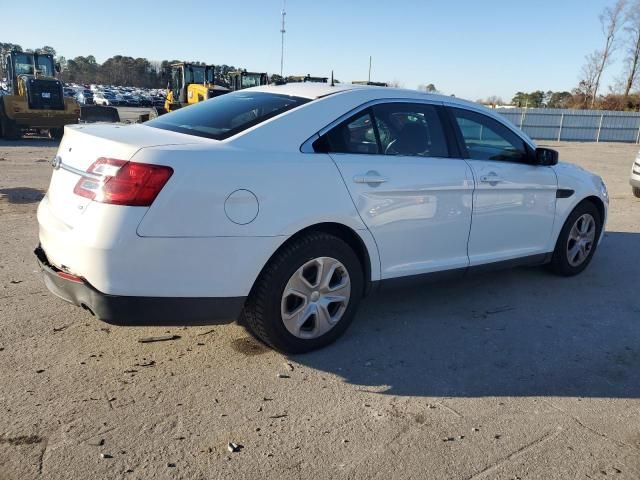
x,y
449,133
448,107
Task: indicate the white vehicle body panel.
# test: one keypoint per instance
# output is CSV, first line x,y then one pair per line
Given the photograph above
x,y
420,217
585,184
211,175
635,172
432,214
513,210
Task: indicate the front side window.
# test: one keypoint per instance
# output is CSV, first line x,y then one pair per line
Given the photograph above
x,y
194,75
44,66
24,64
487,139
226,115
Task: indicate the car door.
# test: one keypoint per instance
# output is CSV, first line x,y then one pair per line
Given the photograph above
x,y
414,198
514,200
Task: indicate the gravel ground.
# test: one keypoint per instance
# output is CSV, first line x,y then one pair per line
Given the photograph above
x,y
508,375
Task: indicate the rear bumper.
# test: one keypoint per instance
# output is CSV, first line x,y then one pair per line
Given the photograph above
x,y
131,310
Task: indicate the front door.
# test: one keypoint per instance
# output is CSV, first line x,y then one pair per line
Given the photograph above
x,y
514,201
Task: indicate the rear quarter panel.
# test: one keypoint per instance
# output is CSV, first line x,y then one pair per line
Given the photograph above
x,y
293,191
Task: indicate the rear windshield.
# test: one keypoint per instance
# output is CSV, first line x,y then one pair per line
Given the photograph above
x,y
226,115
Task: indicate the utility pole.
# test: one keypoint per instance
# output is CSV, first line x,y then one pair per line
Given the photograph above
x,y
282,32
369,68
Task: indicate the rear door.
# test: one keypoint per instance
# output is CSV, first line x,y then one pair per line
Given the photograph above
x,y
514,200
414,198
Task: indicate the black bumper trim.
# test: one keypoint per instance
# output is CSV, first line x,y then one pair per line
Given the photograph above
x,y
129,310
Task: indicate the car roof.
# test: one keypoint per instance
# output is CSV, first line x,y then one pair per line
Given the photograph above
x,y
339,100
313,91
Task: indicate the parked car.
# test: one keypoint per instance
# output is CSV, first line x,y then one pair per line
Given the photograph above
x,y
635,177
285,205
105,98
131,100
85,97
158,102
69,92
144,101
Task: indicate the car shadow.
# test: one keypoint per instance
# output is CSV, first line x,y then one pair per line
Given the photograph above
x,y
521,332
21,195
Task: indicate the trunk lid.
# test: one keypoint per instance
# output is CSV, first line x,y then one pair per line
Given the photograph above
x,y
84,144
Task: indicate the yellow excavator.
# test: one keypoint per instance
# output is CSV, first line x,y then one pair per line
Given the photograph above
x,y
34,98
190,83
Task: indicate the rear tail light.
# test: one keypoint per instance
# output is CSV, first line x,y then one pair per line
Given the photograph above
x,y
120,182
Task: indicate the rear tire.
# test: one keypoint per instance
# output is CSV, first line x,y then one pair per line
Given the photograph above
x,y
577,241
314,310
636,191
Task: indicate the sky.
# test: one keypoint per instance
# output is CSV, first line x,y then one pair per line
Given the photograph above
x,y
473,49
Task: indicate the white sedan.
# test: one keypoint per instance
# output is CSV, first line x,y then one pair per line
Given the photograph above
x,y
282,206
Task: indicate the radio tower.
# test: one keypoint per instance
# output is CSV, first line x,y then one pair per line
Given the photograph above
x,y
282,32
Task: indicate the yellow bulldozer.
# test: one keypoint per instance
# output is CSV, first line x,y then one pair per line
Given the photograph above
x,y
190,83
34,97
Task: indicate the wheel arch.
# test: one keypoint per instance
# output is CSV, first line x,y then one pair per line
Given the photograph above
x,y
345,233
594,200
599,204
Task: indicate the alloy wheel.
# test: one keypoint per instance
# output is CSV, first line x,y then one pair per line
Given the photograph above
x,y
581,239
315,297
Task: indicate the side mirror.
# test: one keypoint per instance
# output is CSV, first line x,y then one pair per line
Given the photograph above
x,y
546,157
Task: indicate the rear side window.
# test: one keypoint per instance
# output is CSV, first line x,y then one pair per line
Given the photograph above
x,y
487,139
226,115
356,135
410,130
403,129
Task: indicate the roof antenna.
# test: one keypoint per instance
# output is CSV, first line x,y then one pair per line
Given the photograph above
x,y
333,84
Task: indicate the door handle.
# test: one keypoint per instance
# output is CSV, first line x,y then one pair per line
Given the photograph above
x,y
371,178
492,178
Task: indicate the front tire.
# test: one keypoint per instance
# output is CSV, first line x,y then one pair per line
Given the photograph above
x,y
307,295
636,191
578,240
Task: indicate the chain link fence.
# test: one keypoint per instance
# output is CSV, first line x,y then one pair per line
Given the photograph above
x,y
576,125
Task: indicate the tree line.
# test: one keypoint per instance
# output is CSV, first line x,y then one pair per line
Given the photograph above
x,y
620,28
